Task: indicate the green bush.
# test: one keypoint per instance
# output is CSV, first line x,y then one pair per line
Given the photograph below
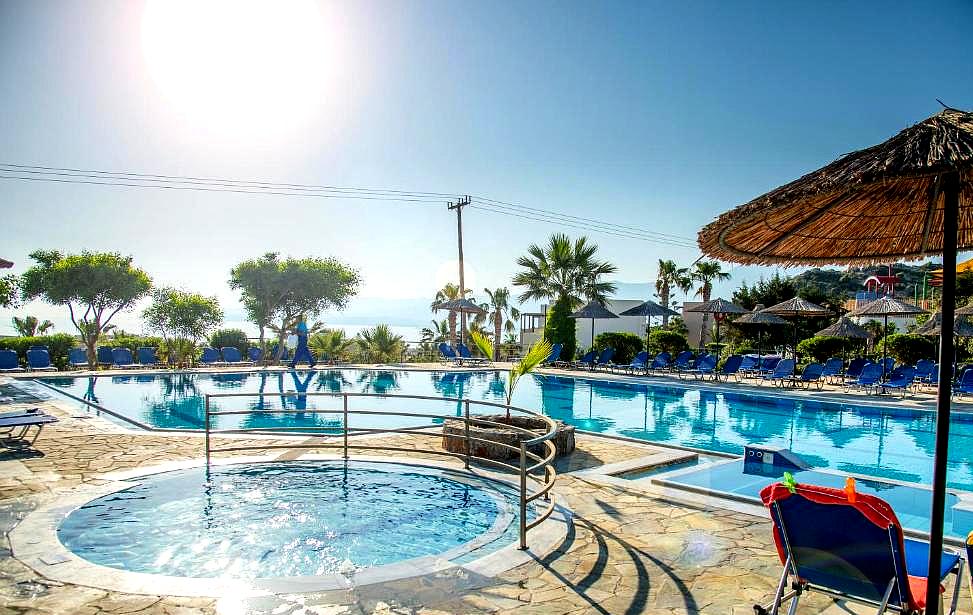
x,y
560,328
132,342
626,345
907,348
661,340
230,337
58,345
822,348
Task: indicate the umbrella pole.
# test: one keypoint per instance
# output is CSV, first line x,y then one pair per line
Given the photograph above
x,y
592,333
885,345
950,232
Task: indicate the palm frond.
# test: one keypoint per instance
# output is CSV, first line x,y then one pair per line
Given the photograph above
x,y
536,355
482,343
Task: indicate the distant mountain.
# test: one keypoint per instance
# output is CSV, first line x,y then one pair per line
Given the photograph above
x,y
848,281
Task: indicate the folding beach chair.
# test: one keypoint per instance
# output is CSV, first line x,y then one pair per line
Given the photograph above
x,y
855,368
232,356
869,378
255,354
104,356
14,430
731,367
640,361
832,370
587,360
682,360
810,375
781,374
554,359
211,357
448,355
147,356
704,366
849,546
467,357
901,379
964,386
9,362
39,360
78,358
661,361
122,358
604,360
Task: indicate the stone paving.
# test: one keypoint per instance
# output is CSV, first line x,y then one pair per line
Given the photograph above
x,y
627,551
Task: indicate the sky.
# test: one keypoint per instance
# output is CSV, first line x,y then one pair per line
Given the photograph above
x,y
653,115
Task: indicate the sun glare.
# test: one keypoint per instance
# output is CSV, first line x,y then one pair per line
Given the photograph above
x,y
239,65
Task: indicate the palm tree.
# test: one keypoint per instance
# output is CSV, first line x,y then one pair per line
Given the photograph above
x,y
565,273
437,332
498,309
330,343
705,273
380,344
450,292
29,326
671,276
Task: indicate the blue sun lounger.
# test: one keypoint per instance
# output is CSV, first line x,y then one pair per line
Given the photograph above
x,y
964,386
702,367
662,361
211,357
682,360
869,378
811,375
781,374
467,357
554,359
254,354
9,362
147,356
638,362
104,356
14,429
832,370
38,360
586,360
122,358
733,366
855,368
902,379
604,360
448,355
78,358
232,356
849,546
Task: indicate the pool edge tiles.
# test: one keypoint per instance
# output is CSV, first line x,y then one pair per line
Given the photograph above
x,y
35,542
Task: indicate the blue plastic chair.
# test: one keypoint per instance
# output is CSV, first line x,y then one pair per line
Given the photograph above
x,y
661,361
447,354
782,372
39,361
731,367
604,360
855,368
554,358
638,362
811,375
78,357
254,354
832,369
902,379
869,378
682,360
848,546
211,357
103,355
467,357
122,358
232,356
9,361
147,356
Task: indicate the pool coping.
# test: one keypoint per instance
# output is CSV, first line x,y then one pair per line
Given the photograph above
x,y
34,541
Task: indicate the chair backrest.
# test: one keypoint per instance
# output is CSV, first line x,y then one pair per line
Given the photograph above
x,y
463,351
589,356
903,373
606,355
231,354
40,347
851,547
640,358
870,374
104,354
684,357
707,363
889,364
966,379
555,353
924,367
210,355
446,350
855,367
812,372
770,362
832,367
785,367
147,355
733,364
662,359
78,356
121,356
254,353
38,358
8,359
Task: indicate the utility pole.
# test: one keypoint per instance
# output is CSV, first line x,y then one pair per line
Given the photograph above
x,y
458,206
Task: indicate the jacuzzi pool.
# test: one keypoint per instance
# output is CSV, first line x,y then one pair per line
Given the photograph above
x,y
291,519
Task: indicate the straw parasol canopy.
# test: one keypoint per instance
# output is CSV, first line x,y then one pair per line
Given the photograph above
x,y
463,306
965,311
868,207
885,307
797,307
720,308
593,310
845,327
649,309
962,327
5,264
758,317
907,198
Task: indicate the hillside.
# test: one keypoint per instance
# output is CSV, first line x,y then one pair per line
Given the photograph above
x,y
850,280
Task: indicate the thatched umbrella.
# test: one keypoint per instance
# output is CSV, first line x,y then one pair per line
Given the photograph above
x,y
5,264
794,308
648,309
885,307
463,306
962,327
759,319
720,308
907,198
845,327
593,310
967,310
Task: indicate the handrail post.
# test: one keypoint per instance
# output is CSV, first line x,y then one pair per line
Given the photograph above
x,y
523,496
469,450
206,424
344,422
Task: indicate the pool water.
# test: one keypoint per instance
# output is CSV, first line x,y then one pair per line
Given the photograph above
x,y
284,519
855,437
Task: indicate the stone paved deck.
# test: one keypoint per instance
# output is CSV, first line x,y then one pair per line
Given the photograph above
x,y
627,551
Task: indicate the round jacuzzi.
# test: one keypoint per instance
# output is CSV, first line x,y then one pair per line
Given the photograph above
x,y
290,519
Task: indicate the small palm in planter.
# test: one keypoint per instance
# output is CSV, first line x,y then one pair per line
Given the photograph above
x,y
453,430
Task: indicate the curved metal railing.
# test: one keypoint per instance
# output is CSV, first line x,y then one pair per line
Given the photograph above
x,y
535,471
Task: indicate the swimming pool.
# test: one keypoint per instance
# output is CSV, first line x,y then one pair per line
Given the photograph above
x,y
290,519
881,441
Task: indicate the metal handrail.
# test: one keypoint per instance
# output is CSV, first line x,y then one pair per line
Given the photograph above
x,y
528,474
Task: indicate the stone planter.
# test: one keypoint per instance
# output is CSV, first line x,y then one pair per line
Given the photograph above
x,y
454,436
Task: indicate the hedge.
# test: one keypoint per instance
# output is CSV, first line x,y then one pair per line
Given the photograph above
x,y
823,347
662,340
58,345
908,348
236,338
626,345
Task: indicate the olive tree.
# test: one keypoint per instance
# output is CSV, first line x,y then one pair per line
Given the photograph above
x,y
95,286
182,319
9,291
276,293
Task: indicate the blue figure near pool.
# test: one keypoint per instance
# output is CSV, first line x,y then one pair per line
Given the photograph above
x,y
302,353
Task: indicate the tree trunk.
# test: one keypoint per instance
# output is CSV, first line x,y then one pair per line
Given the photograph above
x,y
664,297
452,329
90,343
497,325
263,346
703,329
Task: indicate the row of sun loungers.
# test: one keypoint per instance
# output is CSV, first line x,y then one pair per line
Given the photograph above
x,y
461,355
